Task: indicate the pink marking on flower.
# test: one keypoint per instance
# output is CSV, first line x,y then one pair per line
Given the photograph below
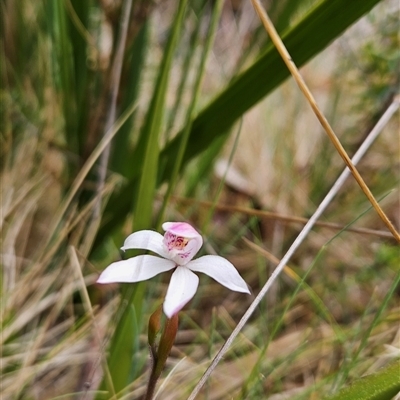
x,y
181,241
175,242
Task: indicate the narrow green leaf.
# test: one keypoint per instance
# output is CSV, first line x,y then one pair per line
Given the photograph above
x,y
63,68
125,344
79,45
382,385
282,12
150,136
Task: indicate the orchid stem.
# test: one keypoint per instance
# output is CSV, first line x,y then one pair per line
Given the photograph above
x,y
155,374
159,356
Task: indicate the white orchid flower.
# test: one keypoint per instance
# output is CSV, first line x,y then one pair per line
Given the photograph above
x,y
177,247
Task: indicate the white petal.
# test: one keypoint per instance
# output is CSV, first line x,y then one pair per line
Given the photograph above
x,y
148,240
181,289
221,270
135,269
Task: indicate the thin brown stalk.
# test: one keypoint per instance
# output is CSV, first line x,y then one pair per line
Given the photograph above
x,y
269,27
279,217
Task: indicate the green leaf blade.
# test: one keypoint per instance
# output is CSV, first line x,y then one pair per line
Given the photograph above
x,y
383,385
309,37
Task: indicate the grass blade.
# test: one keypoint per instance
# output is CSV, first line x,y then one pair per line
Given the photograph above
x,y
64,68
383,385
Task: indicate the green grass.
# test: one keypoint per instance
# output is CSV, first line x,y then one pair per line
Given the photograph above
x,y
200,82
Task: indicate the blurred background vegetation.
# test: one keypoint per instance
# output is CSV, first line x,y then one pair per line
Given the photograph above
x,y
118,115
